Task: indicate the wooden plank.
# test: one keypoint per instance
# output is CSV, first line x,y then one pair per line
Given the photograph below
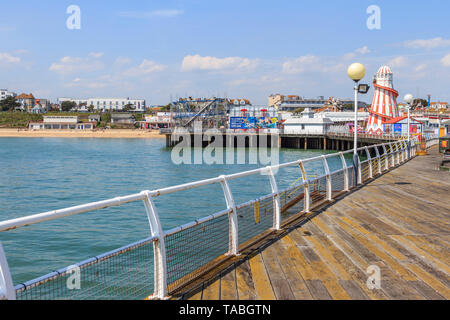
x,y
425,290
295,280
301,264
357,274
212,290
228,290
245,286
396,266
353,290
260,279
427,247
393,252
324,274
422,253
318,290
431,281
276,275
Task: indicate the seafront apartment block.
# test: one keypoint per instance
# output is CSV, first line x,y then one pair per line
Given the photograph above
x,y
106,104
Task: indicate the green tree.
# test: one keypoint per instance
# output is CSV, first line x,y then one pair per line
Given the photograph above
x,y
91,108
299,110
68,105
128,107
9,104
165,108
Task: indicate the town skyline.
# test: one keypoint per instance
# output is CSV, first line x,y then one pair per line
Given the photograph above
x,y
158,50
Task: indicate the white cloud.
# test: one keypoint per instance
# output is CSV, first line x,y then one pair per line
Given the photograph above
x,y
167,13
398,62
68,65
146,67
303,64
197,62
363,50
420,67
122,61
446,60
96,54
8,58
427,43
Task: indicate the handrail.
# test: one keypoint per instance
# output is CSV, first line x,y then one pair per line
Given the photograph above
x,y
158,234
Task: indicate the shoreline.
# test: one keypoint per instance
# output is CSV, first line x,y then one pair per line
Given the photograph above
x,y
107,134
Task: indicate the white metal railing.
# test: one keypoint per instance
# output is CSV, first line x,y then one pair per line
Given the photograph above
x,y
386,155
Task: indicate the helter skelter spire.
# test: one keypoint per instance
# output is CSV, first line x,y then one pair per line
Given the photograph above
x,y
384,104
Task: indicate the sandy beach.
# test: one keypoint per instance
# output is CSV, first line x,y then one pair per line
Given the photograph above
x,y
109,133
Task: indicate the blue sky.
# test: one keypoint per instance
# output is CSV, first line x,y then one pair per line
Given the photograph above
x,y
162,49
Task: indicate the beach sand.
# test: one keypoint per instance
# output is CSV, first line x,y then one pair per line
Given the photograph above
x,y
109,133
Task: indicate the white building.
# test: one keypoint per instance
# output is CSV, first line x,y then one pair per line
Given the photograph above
x,y
4,93
61,123
308,124
106,104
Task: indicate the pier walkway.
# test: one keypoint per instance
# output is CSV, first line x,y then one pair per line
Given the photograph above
x,y
398,222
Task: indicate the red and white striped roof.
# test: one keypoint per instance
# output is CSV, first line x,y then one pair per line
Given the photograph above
x,y
384,70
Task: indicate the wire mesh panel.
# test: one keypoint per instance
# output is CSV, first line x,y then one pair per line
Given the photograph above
x,y
337,181
365,171
189,250
126,273
351,177
318,189
255,218
375,162
292,201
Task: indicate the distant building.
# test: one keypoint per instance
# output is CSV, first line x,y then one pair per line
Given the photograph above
x,y
439,105
399,125
27,101
107,104
4,93
289,103
122,118
308,124
61,123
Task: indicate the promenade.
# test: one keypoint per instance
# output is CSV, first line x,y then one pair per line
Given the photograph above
x,y
398,222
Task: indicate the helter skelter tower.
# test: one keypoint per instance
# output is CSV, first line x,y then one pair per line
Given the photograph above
x,y
384,104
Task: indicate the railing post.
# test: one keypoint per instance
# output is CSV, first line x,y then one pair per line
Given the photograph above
x,y
159,248
6,284
358,171
370,162
344,166
233,243
328,175
377,152
307,197
276,200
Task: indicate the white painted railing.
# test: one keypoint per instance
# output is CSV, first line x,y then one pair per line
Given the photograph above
x,y
311,191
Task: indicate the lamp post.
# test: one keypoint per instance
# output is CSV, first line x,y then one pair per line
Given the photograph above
x,y
409,98
356,72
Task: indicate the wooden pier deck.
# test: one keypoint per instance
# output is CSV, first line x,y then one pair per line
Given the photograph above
x,y
399,222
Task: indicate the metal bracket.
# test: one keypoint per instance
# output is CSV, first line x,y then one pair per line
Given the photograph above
x,y
307,197
276,200
159,248
233,243
6,284
344,166
327,172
